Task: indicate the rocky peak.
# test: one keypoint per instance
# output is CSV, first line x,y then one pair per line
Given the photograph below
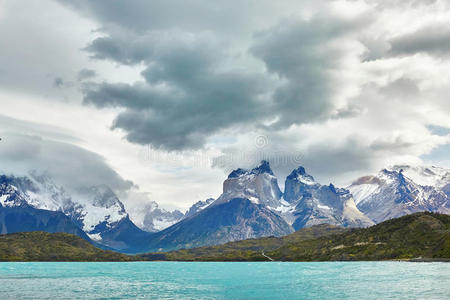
x,y
299,184
259,185
103,196
264,167
198,206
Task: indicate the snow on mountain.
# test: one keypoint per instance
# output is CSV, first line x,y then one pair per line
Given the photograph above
x,y
425,175
198,206
96,210
101,208
153,218
402,190
259,185
312,203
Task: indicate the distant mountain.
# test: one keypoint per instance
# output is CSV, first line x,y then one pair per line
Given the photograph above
x,y
44,246
97,211
259,185
27,218
233,220
198,206
420,236
313,203
152,218
252,206
402,190
244,210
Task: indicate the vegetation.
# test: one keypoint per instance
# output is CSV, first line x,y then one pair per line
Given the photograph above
x,y
419,236
246,250
44,246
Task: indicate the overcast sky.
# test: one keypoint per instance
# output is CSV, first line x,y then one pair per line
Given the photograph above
x,y
161,99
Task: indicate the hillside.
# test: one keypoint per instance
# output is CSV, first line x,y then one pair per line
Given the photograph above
x,y
420,235
43,246
250,249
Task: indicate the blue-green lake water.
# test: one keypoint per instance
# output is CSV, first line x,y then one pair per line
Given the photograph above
x,y
258,280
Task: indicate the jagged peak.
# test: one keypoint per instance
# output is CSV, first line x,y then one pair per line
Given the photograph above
x,y
301,175
263,167
102,196
238,172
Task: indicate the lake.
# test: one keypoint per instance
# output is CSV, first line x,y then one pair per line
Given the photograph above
x,y
231,280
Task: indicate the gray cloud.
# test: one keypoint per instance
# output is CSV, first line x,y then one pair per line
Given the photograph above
x,y
401,3
23,149
231,18
196,86
433,40
302,53
58,82
187,95
86,74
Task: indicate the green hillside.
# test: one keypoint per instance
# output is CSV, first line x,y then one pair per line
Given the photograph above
x,y
416,236
421,236
43,246
247,249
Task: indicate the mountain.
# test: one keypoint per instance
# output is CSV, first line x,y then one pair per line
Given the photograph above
x,y
198,206
97,211
420,236
152,218
44,246
259,185
236,219
401,190
27,218
312,203
244,210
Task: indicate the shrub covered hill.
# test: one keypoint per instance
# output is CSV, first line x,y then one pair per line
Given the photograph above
x,y
419,236
44,246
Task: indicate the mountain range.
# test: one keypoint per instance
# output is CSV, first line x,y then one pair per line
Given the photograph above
x,y
251,205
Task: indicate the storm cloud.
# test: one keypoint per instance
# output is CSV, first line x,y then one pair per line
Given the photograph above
x,y
195,86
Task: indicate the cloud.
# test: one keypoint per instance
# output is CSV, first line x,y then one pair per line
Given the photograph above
x,y
434,40
196,86
69,165
58,82
304,53
188,92
86,74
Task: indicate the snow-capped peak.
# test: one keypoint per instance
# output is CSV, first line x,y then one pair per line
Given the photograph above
x,y
403,189
259,185
262,168
300,175
424,175
150,217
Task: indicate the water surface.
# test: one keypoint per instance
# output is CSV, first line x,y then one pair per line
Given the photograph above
x,y
255,280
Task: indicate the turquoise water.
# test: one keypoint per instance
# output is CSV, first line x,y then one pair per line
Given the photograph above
x,y
258,280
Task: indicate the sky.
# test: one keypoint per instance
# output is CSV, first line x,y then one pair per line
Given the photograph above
x,y
162,99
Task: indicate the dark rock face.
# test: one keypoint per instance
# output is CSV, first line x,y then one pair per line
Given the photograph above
x,y
233,220
299,184
124,237
26,218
